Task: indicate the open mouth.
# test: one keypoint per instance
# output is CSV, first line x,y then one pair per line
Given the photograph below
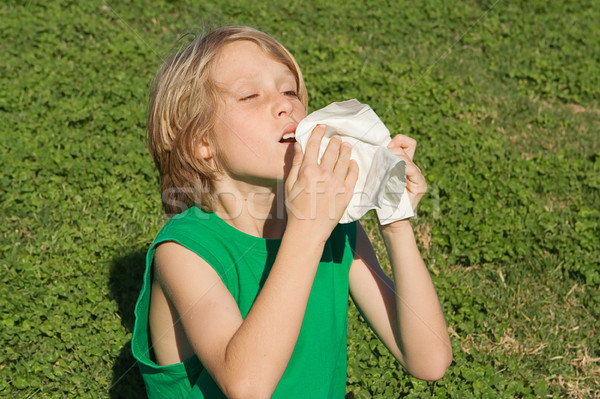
x,y
288,138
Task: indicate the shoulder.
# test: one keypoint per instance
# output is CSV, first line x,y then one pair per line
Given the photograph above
x,y
191,237
172,260
191,218
193,229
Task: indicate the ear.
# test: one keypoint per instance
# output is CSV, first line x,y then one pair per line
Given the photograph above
x,y
202,150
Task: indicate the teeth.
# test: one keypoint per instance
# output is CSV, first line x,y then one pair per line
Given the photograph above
x,y
288,136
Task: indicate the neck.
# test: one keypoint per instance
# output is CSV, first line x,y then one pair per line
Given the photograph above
x,y
257,210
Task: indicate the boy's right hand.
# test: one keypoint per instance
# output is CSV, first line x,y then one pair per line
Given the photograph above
x,y
317,193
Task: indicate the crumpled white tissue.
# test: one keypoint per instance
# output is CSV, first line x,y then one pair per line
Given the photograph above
x,y
381,183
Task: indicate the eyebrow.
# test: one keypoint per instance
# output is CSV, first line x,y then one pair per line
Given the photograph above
x,y
231,89
293,76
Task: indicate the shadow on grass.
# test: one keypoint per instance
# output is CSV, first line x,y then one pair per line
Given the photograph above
x,y
126,276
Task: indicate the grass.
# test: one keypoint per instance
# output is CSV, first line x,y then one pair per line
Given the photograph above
x,y
502,97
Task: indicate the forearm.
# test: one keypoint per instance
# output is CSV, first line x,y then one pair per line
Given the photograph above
x,y
422,332
262,346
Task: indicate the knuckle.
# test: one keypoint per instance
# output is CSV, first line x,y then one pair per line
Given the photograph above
x,y
324,176
309,171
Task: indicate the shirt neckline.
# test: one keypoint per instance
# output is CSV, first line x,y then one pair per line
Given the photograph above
x,y
250,241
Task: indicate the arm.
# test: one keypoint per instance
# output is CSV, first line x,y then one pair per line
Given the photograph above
x,y
405,313
247,357
243,356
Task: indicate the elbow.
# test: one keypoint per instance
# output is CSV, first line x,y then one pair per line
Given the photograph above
x,y
247,388
247,380
439,366
432,374
435,368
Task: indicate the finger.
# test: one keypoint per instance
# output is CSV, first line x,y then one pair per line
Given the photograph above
x,y
296,162
313,145
408,144
411,169
413,173
415,181
400,153
331,153
351,176
417,189
341,166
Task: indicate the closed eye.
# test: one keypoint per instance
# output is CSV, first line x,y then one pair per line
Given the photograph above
x,y
250,97
292,93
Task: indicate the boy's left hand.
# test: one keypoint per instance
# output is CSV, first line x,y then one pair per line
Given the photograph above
x,y
404,147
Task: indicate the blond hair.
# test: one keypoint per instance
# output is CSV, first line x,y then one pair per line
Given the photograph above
x,y
183,106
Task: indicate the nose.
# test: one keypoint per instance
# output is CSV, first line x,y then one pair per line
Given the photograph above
x,y
283,105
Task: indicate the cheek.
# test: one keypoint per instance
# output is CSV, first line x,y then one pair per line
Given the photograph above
x,y
229,131
239,148
299,110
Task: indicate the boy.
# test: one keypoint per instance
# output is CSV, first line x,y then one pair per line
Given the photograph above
x,y
246,288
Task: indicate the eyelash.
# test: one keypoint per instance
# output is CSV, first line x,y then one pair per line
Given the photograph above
x,y
292,93
251,96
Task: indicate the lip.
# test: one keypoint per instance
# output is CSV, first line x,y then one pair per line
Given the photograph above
x,y
291,128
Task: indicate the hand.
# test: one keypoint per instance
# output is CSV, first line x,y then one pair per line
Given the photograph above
x,y
404,147
318,193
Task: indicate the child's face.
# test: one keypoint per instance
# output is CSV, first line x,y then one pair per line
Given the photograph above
x,y
258,106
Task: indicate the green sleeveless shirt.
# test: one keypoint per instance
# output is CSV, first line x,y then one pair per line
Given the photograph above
x,y
317,368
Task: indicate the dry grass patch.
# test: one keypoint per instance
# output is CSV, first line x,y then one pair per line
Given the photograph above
x,y
507,344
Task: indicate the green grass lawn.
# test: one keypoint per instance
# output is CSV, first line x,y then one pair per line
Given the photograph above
x,y
502,96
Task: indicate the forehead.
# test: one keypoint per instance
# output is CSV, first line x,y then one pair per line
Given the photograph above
x,y
244,59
